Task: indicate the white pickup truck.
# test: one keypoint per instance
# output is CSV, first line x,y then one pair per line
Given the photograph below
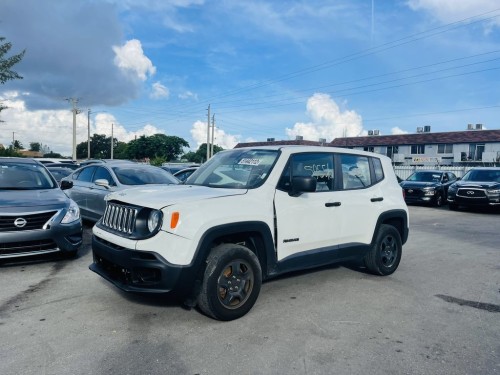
x,y
250,214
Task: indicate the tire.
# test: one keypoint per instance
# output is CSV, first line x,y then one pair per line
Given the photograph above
x,y
439,200
385,254
453,206
231,283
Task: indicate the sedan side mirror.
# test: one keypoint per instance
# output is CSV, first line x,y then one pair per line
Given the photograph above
x,y
65,184
302,184
102,182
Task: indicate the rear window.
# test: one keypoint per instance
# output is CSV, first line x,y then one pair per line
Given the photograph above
x,y
143,175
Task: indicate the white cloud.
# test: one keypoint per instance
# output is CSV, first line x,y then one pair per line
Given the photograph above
x,y
159,91
327,121
453,10
398,130
54,128
188,95
130,58
221,138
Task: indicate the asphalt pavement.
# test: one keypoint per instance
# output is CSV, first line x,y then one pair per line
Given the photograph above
x,y
439,313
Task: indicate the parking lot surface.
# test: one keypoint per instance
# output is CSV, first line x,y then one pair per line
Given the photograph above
x,y
439,313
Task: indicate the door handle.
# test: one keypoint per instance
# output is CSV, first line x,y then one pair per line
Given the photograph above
x,y
379,199
332,204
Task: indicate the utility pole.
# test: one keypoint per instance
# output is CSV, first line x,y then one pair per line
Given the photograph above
x,y
112,130
75,111
213,131
88,134
13,139
208,134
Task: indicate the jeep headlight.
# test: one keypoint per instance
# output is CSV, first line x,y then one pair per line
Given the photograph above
x,y
73,213
154,220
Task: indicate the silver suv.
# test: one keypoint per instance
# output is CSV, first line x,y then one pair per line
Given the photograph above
x,y
36,217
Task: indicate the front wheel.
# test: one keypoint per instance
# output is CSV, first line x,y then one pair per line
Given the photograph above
x,y
231,283
385,254
439,200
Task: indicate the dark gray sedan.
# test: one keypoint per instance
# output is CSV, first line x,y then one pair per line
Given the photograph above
x,y
89,185
36,217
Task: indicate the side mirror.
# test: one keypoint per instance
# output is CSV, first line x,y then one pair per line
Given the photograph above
x,y
65,184
102,182
301,185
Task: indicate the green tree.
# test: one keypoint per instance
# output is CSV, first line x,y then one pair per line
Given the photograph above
x,y
201,154
53,154
6,63
156,146
35,146
9,151
17,145
100,147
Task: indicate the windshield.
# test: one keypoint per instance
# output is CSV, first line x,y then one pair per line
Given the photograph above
x,y
24,176
482,175
138,174
235,169
425,177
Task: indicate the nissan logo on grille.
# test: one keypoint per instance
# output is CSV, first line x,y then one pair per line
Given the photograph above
x,y
20,222
470,192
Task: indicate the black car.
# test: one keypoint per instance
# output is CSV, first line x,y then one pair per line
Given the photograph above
x,y
428,186
36,217
478,187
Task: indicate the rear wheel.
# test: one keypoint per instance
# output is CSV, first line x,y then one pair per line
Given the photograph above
x,y
231,283
385,254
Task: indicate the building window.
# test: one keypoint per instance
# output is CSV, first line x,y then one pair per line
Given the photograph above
x,y
391,150
445,148
369,149
418,149
476,151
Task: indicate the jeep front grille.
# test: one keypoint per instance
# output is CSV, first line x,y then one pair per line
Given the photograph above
x,y
120,218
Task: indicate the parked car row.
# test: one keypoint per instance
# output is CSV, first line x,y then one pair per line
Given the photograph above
x,y
479,187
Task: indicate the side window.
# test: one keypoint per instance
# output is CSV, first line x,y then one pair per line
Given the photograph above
x,y
355,171
317,165
86,174
452,176
102,173
379,171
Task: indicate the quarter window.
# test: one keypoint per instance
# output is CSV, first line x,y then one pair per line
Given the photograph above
x,y
377,167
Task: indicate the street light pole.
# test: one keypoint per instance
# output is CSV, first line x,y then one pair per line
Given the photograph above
x,y
88,134
112,125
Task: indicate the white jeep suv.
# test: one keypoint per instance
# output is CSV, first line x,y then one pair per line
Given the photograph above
x,y
250,214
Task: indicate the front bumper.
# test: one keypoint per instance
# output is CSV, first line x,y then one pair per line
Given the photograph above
x,y
134,270
57,238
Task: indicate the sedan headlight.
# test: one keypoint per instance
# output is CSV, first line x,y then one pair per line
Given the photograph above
x,y
73,213
154,220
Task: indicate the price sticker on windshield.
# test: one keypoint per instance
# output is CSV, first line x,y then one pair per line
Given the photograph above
x,y
249,162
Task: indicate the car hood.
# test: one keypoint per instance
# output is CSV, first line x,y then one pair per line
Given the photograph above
x,y
159,196
24,200
418,184
478,184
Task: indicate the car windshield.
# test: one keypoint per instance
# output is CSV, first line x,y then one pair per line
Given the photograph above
x,y
24,176
138,174
425,177
482,175
235,169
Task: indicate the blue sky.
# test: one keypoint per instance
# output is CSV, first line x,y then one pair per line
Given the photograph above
x,y
268,69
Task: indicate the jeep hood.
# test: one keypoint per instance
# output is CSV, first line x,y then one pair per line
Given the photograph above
x,y
46,198
159,196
